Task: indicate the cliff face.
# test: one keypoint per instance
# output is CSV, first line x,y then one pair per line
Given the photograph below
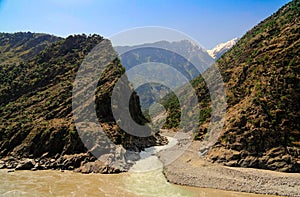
x,y
262,76
36,102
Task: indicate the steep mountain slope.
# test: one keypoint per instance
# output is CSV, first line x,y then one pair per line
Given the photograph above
x,y
36,105
262,76
222,48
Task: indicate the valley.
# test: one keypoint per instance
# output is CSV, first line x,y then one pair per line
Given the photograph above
x,y
81,116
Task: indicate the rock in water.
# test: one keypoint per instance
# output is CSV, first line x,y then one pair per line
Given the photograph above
x,y
25,165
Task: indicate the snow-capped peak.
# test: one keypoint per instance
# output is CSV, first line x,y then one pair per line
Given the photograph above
x,y
221,48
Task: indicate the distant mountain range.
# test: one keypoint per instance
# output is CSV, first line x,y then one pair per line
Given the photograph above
x,y
163,52
187,58
178,54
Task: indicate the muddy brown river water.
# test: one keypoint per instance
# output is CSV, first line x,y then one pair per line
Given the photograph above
x,y
56,183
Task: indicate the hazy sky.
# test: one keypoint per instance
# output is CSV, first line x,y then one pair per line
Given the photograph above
x,y
207,21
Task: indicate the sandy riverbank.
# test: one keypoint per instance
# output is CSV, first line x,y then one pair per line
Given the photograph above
x,y
191,170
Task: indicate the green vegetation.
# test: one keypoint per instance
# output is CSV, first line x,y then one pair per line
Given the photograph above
x,y
172,105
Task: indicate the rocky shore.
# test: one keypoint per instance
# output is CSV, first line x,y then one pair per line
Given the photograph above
x,y
189,169
118,162
65,162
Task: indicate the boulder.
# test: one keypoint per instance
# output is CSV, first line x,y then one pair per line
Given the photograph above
x,y
74,161
2,166
25,165
97,167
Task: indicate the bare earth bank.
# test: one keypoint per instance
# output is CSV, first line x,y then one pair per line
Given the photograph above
x,y
189,169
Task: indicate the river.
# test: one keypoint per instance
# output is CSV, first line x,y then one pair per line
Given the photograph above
x,y
144,179
56,183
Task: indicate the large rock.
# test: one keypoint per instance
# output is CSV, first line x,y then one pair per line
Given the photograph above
x,y
97,167
2,164
27,164
70,162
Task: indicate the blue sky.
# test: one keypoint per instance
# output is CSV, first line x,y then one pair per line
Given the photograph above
x,y
207,21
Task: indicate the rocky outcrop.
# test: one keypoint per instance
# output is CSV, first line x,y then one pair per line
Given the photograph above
x,y
97,167
274,159
62,162
116,161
